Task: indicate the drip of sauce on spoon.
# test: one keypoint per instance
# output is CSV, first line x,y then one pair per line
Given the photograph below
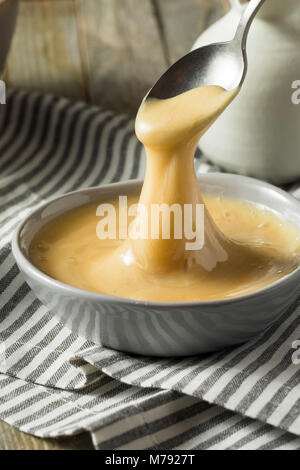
x,y
170,130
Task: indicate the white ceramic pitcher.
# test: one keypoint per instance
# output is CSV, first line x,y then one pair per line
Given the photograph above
x,y
259,134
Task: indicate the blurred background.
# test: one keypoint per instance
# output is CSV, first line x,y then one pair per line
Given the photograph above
x,y
104,51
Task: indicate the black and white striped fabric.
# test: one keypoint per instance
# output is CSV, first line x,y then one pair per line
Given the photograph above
x,y
53,383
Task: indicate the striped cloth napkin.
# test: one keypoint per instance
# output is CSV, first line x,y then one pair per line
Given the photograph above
x,y
53,383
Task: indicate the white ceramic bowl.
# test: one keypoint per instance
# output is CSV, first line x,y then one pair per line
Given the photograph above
x,y
157,328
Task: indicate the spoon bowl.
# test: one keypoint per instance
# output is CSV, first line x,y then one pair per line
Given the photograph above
x,y
201,67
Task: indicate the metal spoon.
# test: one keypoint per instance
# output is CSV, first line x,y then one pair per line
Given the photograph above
x,y
223,64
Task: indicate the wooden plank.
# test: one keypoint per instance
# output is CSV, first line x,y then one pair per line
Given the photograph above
x,y
122,50
12,439
45,54
183,21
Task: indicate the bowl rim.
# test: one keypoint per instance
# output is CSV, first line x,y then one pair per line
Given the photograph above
x,y
27,266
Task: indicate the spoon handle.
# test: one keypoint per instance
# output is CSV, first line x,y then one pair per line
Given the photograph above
x,y
246,20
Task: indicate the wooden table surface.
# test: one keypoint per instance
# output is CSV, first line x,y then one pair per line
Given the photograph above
x,y
108,52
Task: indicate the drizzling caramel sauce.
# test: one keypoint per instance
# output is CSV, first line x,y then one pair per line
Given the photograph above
x,y
245,248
